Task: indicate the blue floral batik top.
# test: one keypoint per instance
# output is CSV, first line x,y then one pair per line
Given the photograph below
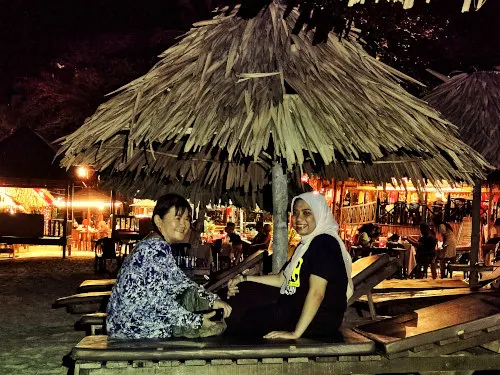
x,y
143,302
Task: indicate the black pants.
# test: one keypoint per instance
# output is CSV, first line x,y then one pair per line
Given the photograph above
x,y
256,312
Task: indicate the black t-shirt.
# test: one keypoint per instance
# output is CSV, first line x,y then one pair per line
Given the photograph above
x,y
428,245
234,238
323,259
493,241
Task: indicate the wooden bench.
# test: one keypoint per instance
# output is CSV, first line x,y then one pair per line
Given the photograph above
x,y
395,303
99,285
82,303
440,329
216,282
7,249
92,324
368,272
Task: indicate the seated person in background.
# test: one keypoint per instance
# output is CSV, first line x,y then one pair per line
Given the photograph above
x,y
365,235
492,243
152,297
260,241
393,241
425,252
364,239
236,245
102,226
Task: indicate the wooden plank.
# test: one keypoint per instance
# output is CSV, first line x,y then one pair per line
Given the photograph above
x,y
100,348
493,346
399,297
220,280
365,285
102,285
398,285
462,344
84,302
366,266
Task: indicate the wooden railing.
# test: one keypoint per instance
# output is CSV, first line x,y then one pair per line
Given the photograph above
x,y
359,214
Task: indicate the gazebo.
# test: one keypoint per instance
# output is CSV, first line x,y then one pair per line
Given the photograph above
x,y
239,103
472,102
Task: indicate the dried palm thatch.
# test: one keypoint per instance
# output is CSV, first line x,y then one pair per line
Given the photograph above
x,y
471,101
234,94
407,4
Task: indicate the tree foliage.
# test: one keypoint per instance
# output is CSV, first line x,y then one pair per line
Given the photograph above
x,y
56,97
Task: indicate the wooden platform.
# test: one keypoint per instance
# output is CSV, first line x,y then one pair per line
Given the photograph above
x,y
98,355
440,329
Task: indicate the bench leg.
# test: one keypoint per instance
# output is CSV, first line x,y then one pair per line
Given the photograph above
x,y
371,306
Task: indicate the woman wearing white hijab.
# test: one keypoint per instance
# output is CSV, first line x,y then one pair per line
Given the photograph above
x,y
314,285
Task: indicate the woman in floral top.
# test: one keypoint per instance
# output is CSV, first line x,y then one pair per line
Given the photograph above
x,y
152,297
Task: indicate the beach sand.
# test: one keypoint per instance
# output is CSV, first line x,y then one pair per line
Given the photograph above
x,y
34,337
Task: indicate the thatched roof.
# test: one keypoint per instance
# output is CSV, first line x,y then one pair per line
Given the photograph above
x,y
472,102
234,94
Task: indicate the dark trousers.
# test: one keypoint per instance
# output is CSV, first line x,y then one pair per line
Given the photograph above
x,y
256,312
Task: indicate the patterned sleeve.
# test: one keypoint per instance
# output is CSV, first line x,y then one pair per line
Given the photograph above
x,y
185,281
166,272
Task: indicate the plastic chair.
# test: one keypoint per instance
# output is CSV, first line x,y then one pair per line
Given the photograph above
x,y
105,249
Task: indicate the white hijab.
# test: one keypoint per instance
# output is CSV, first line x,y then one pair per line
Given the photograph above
x,y
325,224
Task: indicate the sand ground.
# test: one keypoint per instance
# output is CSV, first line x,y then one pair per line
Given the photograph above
x,y
34,337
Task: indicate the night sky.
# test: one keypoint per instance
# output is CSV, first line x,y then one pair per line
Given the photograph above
x,y
58,58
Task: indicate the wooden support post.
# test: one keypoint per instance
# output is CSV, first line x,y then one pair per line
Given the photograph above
x,y
280,222
65,222
341,201
334,208
490,210
475,236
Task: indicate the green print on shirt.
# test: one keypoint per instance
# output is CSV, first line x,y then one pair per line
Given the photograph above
x,y
295,278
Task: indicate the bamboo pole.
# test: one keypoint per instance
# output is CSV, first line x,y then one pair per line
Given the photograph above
x,y
280,230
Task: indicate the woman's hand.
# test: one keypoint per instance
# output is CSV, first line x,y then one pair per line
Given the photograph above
x,y
283,335
232,286
220,304
207,323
